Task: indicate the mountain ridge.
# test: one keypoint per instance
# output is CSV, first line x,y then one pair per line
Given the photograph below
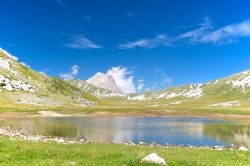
x,y
227,92
20,85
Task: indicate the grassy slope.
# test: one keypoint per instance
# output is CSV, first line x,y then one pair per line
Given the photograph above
x,y
52,87
219,92
30,153
63,91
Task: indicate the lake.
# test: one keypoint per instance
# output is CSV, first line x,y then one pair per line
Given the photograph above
x,y
175,131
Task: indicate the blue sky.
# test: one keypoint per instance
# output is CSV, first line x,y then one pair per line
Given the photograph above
x,y
156,43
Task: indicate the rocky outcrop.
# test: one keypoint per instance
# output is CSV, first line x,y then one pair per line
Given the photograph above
x,y
104,81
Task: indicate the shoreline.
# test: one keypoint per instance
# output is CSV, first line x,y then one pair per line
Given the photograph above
x,y
52,114
18,134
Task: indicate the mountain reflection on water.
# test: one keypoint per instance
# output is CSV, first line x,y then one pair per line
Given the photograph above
x,y
237,134
175,131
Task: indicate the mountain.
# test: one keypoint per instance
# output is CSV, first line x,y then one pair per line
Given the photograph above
x,y
104,81
232,91
20,85
94,90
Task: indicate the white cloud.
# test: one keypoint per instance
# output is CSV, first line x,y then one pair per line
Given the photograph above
x,y
60,2
162,80
87,18
206,33
81,42
123,79
165,79
45,71
140,85
197,33
8,54
153,87
147,43
13,57
131,14
70,76
25,64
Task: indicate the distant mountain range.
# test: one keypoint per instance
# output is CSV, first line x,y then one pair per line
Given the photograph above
x,y
20,85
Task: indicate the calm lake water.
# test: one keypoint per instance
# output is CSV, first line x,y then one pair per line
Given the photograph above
x,y
175,131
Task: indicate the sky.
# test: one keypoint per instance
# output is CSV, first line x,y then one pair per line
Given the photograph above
x,y
144,45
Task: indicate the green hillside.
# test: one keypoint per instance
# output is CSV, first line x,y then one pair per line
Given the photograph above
x,y
23,89
21,86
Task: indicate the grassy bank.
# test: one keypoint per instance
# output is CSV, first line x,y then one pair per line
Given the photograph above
x,y
158,111
130,110
17,152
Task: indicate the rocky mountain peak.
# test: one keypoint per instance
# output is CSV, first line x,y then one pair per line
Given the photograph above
x,y
104,81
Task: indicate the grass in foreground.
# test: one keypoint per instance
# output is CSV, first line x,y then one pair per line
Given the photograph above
x,y
17,152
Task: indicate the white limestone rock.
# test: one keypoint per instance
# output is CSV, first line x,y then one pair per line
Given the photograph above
x,y
243,149
60,140
4,63
240,82
176,103
10,85
154,159
227,104
194,92
138,98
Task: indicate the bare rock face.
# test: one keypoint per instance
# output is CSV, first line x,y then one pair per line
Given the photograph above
x,y
104,81
153,158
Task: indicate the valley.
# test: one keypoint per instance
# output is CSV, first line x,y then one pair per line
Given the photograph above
x,y
124,83
25,90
